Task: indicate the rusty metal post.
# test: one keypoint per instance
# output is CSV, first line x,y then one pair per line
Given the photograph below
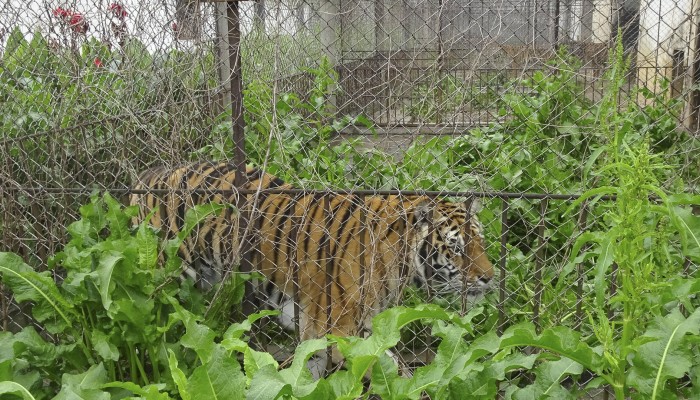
x,y
235,84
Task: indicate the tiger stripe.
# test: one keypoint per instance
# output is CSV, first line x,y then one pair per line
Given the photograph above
x,y
371,246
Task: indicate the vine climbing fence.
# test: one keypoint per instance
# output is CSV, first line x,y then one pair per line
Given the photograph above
x,y
499,102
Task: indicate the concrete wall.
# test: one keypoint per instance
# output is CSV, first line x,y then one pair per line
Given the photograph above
x,y
664,29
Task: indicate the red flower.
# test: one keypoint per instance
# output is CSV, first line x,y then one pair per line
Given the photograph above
x,y
75,20
98,63
62,13
118,10
78,23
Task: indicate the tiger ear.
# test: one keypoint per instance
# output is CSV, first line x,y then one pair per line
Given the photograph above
x,y
423,213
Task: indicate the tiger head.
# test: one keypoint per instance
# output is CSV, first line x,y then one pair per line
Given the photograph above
x,y
450,255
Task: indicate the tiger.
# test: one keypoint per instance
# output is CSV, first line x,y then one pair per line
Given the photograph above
x,y
372,246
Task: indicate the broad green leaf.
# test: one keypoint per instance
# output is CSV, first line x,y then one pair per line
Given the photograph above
x,y
667,356
455,357
103,347
605,260
50,307
386,381
229,296
105,276
689,226
581,241
344,385
548,379
197,337
20,372
679,289
236,330
386,329
599,191
118,220
39,353
476,384
148,392
7,339
254,360
138,311
500,365
147,242
220,378
16,389
14,41
298,374
87,385
484,383
386,333
268,384
591,160
560,340
178,376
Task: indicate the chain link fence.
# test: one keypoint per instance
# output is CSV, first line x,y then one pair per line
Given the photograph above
x,y
458,99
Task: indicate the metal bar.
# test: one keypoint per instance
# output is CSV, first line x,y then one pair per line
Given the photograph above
x,y
235,83
557,23
539,263
502,265
427,193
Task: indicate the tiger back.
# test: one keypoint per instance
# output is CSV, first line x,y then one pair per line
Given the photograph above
x,y
341,258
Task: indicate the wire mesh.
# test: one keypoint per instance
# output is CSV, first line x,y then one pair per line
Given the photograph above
x,y
449,99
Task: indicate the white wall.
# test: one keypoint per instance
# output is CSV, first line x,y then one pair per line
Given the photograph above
x,y
664,26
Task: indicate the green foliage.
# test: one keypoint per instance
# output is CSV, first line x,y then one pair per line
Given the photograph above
x,y
120,324
121,329
641,226
264,56
479,368
292,137
88,102
112,312
444,96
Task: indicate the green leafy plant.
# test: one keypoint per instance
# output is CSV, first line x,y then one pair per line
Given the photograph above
x,y
445,95
641,225
293,137
111,311
65,106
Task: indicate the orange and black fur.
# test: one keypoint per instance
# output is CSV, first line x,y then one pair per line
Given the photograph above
x,y
371,246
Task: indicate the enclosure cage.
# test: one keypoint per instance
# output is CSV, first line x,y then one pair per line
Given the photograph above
x,y
501,103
